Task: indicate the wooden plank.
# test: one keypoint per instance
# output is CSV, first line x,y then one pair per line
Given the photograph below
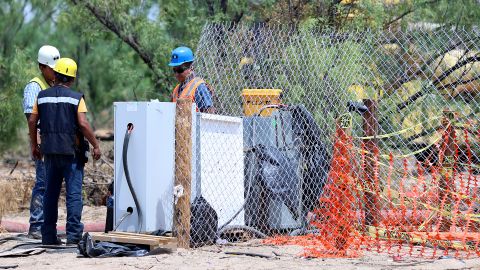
x,y
152,241
183,171
141,235
125,239
161,239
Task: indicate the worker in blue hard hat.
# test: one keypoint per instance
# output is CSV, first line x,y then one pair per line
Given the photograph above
x,y
190,86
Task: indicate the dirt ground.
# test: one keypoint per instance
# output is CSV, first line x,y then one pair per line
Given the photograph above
x,y
17,177
211,257
215,257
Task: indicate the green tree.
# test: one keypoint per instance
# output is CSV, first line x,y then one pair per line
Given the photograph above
x,y
122,47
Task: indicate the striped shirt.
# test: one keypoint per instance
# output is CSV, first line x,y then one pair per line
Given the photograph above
x,y
30,94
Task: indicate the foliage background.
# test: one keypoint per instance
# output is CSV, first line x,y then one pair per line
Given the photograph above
x,y
122,47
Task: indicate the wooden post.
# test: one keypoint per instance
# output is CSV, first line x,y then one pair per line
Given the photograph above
x,y
370,128
447,160
183,171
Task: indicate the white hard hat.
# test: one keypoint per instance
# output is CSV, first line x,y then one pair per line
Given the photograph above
x,y
48,55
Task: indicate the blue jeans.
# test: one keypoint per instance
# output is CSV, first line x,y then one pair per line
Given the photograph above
x,y
36,203
59,167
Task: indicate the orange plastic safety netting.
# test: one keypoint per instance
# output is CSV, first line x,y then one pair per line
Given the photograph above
x,y
396,205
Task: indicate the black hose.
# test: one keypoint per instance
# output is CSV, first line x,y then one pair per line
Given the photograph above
x,y
127,175
226,227
278,106
235,215
37,245
247,196
128,213
303,231
256,232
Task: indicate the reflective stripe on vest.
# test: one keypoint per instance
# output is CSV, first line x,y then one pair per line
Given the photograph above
x,y
41,81
188,91
70,100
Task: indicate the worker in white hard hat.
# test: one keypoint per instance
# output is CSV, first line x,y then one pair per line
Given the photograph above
x,y
47,57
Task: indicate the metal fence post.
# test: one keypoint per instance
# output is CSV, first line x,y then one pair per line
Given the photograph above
x,y
370,128
446,184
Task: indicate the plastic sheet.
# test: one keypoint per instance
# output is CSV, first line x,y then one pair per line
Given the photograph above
x,y
90,249
279,176
204,223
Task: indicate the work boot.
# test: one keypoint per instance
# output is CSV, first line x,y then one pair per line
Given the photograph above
x,y
57,242
34,234
71,242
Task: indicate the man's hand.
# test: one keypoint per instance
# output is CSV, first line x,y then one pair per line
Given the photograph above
x,y
32,128
88,133
96,153
36,154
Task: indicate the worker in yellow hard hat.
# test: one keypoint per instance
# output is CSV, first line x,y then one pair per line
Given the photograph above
x,y
46,58
64,126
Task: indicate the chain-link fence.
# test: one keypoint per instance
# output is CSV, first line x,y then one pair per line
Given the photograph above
x,y
368,140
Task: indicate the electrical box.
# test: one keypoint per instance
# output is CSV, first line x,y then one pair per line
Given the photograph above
x,y
219,170
217,164
151,160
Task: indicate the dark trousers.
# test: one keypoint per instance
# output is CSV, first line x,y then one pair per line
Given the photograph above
x,y
36,203
59,167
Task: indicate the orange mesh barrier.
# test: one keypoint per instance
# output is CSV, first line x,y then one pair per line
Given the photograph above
x,y
410,208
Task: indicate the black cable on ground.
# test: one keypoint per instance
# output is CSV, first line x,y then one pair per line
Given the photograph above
x,y
247,196
257,233
251,254
226,227
19,237
303,231
8,266
39,245
127,175
16,237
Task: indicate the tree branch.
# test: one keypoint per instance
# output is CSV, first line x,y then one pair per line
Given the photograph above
x,y
457,83
427,63
129,38
455,67
350,5
210,8
439,79
386,25
423,133
224,6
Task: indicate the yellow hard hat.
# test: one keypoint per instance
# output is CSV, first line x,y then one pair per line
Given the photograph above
x,y
66,66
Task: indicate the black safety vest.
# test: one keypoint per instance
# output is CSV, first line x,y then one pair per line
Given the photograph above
x,y
57,109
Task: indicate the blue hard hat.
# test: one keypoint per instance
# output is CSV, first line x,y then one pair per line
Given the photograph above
x,y
181,55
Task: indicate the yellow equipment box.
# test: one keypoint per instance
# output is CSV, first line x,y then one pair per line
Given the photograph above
x,y
255,99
